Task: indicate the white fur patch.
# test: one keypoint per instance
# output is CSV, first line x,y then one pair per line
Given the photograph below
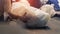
x,y
48,9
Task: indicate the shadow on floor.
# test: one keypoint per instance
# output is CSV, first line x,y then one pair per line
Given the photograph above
x,y
1,18
40,28
57,15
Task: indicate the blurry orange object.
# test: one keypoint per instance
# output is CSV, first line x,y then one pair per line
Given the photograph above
x,y
17,0
35,3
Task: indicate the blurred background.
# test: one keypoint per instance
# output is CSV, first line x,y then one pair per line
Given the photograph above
x,y
9,25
